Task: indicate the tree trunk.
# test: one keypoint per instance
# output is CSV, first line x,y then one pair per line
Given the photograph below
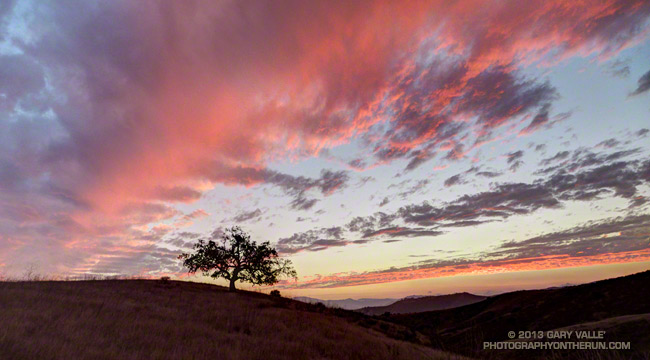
x,y
234,276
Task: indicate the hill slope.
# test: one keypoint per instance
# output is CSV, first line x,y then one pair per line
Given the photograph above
x,y
140,319
465,328
425,303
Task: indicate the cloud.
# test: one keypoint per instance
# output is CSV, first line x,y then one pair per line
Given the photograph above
x,y
245,216
643,84
561,155
619,68
22,80
297,187
357,164
585,176
540,119
151,103
314,240
503,201
188,219
489,174
613,240
176,194
514,160
609,143
453,180
623,234
397,231
418,187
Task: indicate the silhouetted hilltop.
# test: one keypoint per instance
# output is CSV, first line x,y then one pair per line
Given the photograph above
x,y
424,303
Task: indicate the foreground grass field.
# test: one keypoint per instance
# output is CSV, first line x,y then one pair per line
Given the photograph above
x,y
147,319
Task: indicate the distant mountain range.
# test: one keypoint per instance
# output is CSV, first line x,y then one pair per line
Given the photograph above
x,y
409,304
415,304
619,306
347,304
405,305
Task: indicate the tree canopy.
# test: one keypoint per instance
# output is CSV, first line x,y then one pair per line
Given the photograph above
x,y
237,258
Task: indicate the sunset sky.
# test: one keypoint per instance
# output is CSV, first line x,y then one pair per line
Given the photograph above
x,y
387,148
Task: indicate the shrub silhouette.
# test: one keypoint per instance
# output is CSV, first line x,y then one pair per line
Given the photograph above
x,y
276,293
238,258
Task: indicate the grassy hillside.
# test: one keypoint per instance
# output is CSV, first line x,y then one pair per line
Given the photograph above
x,y
146,319
425,303
602,304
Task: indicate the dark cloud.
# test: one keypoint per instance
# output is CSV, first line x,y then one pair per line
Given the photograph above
x,y
454,180
295,186
368,224
314,240
302,203
621,178
609,143
417,158
418,187
331,181
643,84
540,119
584,158
385,201
502,202
361,224
358,164
397,231
619,68
612,235
488,174
184,239
456,153
514,160
557,157
335,232
245,216
364,180
478,172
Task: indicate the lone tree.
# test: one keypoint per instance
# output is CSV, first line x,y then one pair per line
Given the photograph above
x,y
237,258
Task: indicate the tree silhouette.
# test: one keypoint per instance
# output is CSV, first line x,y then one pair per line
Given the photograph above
x,y
238,258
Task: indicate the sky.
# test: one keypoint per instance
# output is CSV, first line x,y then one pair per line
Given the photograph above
x,y
385,148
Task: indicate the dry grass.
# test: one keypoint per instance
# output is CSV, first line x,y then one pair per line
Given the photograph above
x,y
148,319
